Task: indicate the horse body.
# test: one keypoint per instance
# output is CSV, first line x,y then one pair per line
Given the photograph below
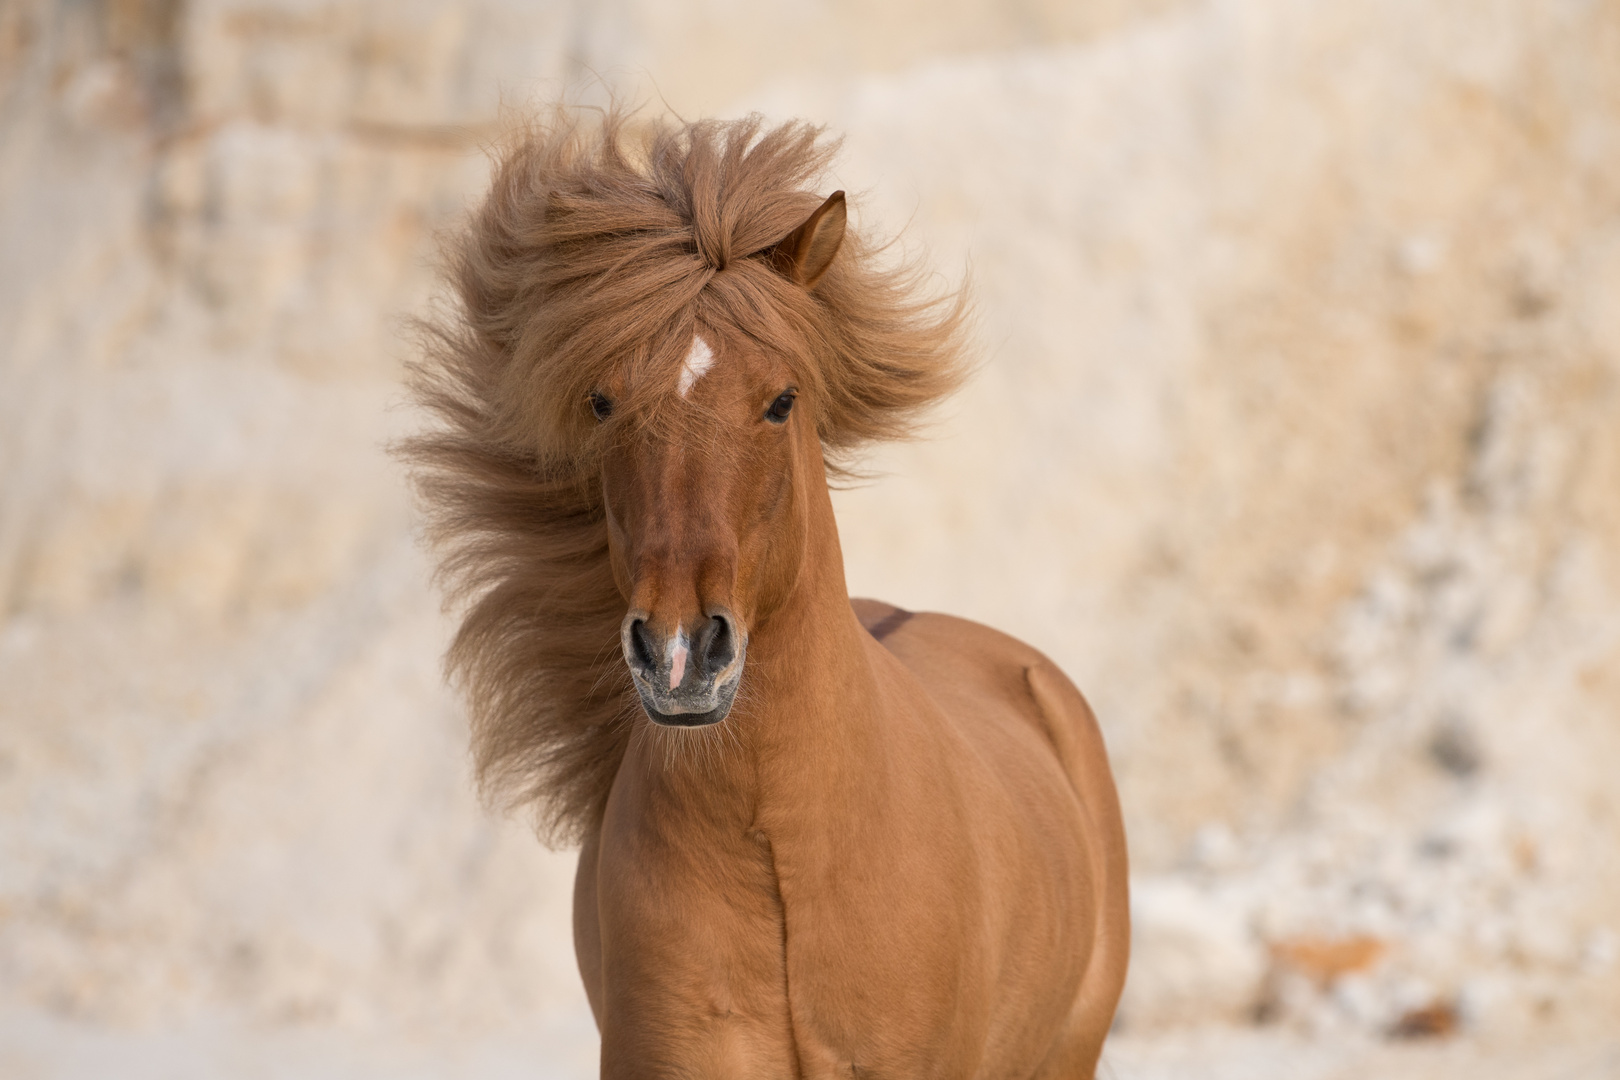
x,y
894,847
890,872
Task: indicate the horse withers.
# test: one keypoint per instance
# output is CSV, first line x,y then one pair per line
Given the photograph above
x,y
817,837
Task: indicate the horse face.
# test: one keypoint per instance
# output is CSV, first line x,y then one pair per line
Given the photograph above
x,y
707,522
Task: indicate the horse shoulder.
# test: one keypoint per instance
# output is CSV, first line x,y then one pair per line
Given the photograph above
x,y
958,657
962,658
992,682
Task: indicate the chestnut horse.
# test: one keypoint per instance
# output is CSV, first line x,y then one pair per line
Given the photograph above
x,y
818,837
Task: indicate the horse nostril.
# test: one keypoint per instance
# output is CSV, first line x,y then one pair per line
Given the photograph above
x,y
719,646
641,647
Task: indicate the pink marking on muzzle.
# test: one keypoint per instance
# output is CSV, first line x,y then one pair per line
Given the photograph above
x,y
677,665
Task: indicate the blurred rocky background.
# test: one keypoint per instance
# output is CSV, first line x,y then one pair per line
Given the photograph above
x,y
1296,441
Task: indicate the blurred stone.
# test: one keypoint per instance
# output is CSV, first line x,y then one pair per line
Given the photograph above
x,y
1326,960
1455,748
1430,1021
1194,959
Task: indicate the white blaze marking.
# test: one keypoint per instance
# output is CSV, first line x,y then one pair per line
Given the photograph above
x,y
677,657
697,364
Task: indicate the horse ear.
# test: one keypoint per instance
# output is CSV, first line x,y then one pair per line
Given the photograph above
x,y
804,254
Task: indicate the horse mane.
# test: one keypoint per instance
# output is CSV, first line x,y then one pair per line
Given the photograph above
x,y
603,242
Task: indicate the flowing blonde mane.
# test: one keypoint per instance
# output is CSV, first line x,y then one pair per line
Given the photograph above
x,y
602,244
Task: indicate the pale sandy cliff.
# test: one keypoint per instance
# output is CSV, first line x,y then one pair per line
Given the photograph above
x,y
1296,441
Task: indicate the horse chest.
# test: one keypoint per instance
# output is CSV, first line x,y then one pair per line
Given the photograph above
x,y
711,961
807,946
904,944
689,973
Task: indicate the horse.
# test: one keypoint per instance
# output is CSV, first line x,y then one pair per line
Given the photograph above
x,y
818,837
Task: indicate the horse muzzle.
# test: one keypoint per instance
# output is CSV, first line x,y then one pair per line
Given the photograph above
x,y
687,676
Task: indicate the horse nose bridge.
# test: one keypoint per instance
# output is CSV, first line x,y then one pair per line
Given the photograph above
x,y
682,548
681,585
676,501
684,567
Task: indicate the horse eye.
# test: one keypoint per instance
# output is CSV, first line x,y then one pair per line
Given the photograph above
x,y
778,412
601,406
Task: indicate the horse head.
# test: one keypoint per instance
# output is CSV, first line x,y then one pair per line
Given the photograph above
x,y
705,490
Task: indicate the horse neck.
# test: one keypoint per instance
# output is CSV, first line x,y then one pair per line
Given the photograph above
x,y
812,674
